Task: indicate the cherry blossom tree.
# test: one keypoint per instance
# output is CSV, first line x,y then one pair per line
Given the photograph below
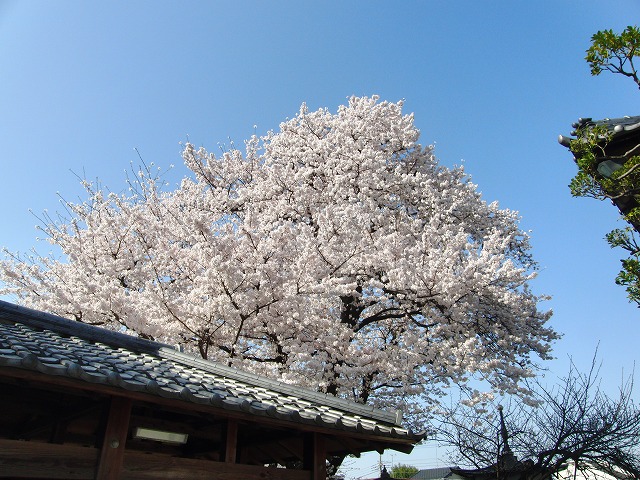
x,y
334,253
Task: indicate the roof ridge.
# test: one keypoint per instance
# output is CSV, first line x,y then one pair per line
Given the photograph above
x,y
49,321
75,328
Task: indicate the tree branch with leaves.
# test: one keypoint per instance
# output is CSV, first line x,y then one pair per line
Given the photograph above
x,y
605,172
615,53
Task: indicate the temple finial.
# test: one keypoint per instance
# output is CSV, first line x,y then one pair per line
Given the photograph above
x,y
504,433
507,458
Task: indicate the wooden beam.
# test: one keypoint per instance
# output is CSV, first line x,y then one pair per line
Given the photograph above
x,y
56,422
115,438
231,445
20,459
349,447
143,466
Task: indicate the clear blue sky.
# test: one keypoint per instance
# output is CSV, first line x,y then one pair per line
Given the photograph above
x,y
492,83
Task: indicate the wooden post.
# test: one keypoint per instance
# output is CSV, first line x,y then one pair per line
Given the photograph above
x,y
231,447
115,438
315,456
319,458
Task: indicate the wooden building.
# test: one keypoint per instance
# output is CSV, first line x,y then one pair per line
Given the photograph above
x,y
82,402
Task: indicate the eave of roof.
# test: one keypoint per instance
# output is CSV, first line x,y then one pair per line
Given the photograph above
x,y
52,345
619,127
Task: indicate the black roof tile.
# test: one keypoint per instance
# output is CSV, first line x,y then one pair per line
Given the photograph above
x,y
619,127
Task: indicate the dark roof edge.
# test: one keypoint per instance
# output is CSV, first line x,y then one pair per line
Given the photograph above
x,y
619,127
39,319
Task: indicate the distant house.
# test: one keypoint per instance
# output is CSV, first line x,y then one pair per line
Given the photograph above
x,y
589,472
516,471
569,473
77,401
436,474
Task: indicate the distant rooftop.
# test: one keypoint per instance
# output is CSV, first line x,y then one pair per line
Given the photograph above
x,y
432,474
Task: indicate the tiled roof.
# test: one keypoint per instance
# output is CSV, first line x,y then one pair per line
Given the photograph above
x,y
52,345
518,469
618,126
432,473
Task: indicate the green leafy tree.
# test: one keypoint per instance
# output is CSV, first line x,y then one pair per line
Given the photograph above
x,y
403,471
614,53
605,172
